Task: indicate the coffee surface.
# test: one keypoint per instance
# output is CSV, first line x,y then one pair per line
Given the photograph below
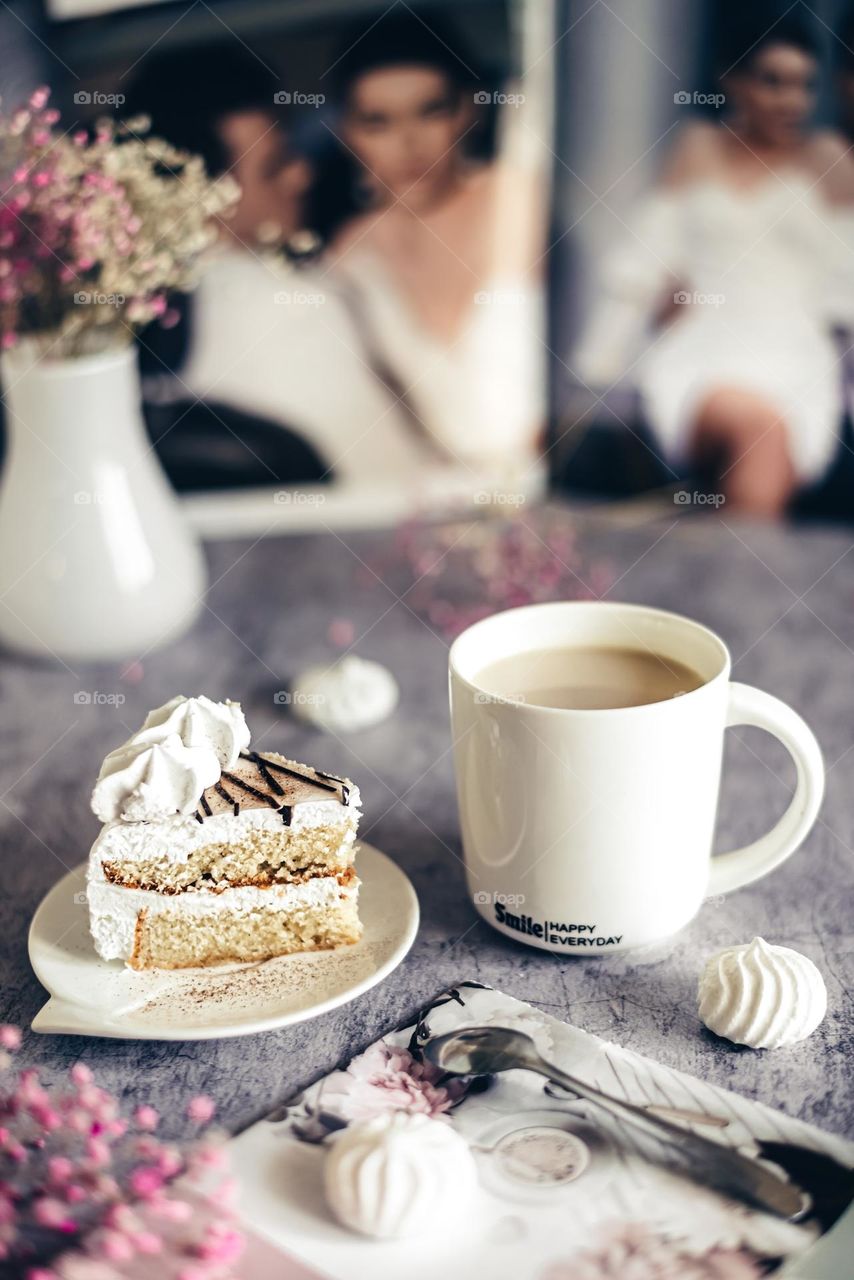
x,y
592,678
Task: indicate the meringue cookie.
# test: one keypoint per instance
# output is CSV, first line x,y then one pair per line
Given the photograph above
x,y
199,722
399,1175
145,782
351,694
761,995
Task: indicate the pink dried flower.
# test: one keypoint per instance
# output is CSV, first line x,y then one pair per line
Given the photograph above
x,y
147,1242
78,1120
99,1153
221,1244
68,1191
146,1182
45,1115
208,1156
169,1162
97,206
10,1037
49,1212
112,1246
60,1170
145,1117
122,1217
201,1109
171,1210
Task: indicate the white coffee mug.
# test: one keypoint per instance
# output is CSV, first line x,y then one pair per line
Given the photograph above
x,y
590,831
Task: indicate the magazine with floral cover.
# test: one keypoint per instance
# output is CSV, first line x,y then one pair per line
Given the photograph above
x,y
565,1192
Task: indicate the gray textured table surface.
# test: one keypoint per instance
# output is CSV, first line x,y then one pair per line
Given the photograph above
x,y
783,600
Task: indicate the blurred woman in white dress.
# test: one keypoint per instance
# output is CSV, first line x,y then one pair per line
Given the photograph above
x,y
748,239
441,262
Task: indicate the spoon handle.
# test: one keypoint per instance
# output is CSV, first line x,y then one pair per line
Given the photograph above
x,y
718,1166
676,1113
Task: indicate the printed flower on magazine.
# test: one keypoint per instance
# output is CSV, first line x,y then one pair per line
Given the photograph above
x,y
631,1252
388,1078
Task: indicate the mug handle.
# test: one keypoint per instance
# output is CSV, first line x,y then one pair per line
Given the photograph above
x,y
742,866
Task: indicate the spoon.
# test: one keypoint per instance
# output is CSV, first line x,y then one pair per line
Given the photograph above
x,y
477,1051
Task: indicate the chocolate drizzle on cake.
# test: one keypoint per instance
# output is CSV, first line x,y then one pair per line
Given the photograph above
x,y
252,791
266,774
262,761
330,777
262,780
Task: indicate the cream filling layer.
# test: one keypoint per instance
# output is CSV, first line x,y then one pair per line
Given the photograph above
x,y
176,839
113,909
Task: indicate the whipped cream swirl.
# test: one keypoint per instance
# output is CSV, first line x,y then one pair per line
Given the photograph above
x,y
165,766
399,1174
146,782
199,722
761,995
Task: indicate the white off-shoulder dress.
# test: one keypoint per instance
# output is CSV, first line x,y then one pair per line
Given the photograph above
x,y
758,277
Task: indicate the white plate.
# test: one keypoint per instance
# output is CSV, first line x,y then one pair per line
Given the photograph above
x,y
95,997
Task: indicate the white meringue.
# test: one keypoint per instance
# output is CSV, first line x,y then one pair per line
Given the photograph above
x,y
145,782
399,1175
761,995
353,693
199,722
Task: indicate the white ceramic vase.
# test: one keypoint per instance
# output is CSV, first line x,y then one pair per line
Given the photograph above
x,y
96,562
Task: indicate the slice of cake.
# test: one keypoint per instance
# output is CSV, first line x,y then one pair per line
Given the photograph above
x,y
213,853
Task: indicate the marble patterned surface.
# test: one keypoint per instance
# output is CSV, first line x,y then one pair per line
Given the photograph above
x,y
782,598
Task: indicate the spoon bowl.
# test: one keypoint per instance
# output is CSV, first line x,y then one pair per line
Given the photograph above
x,y
480,1051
